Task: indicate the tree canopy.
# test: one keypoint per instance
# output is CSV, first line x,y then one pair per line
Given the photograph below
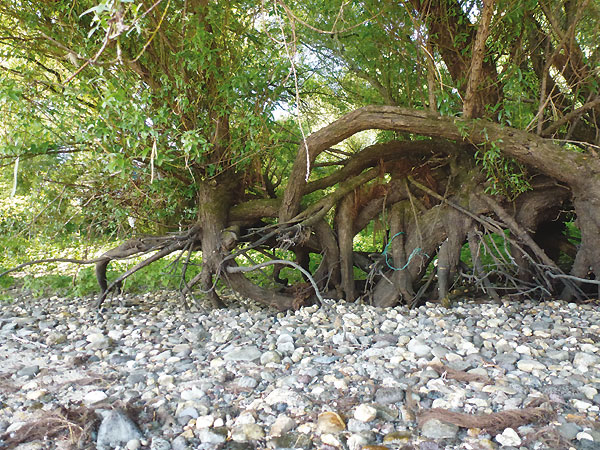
x,y
461,137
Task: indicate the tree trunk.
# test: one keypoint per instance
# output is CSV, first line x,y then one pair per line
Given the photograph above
x,y
214,201
343,220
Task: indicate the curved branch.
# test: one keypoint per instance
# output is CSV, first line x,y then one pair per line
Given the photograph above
x,y
239,269
530,149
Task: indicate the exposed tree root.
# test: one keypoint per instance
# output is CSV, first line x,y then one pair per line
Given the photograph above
x,y
493,423
459,375
71,424
427,197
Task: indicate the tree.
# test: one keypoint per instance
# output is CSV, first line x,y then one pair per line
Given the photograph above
x,y
493,106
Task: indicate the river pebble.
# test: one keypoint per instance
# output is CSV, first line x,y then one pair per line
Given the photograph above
x,y
345,375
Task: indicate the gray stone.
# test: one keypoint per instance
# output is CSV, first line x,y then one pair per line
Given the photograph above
x,y
569,430
28,371
291,441
139,376
190,411
160,444
116,429
558,355
248,353
585,359
246,382
436,429
386,396
356,426
439,351
429,445
179,443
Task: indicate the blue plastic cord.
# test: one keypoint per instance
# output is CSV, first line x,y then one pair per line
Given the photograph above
x,y
410,257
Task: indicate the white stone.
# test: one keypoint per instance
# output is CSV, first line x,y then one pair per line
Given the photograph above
x,y
330,439
356,442
583,435
509,438
192,394
589,392
94,397
166,380
529,365
14,427
523,349
210,436
365,413
133,444
245,418
36,395
418,347
205,421
581,405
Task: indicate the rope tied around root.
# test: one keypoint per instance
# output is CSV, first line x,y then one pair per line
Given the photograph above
x,y
416,251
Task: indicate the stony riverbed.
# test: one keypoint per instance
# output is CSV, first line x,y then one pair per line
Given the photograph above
x,y
344,375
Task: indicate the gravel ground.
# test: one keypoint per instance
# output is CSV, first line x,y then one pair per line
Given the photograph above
x,y
145,373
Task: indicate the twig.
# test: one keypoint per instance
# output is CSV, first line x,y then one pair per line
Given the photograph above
x,y
571,277
27,341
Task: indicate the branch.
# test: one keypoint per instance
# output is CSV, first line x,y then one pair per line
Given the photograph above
x,y
50,260
572,115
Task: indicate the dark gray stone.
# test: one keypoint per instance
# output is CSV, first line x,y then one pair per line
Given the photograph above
x,y
385,396
569,430
291,441
29,371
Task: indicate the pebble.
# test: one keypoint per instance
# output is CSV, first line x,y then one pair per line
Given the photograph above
x,y
160,444
529,365
330,422
344,375
365,413
249,353
436,429
94,397
117,429
282,425
418,347
508,438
